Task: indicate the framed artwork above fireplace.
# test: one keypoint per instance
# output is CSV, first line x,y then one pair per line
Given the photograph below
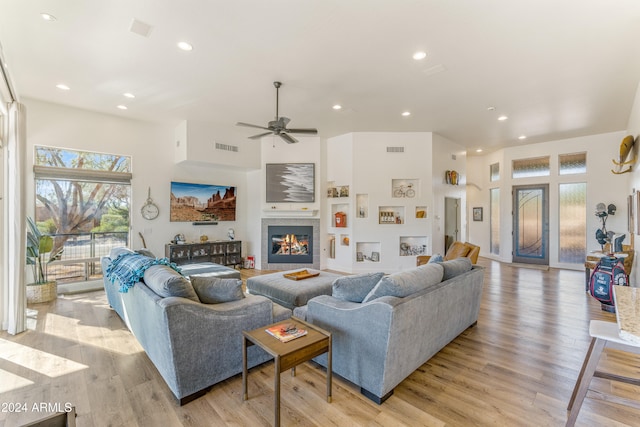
x,y
290,182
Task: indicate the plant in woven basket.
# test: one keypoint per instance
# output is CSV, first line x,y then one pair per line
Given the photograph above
x,y
38,247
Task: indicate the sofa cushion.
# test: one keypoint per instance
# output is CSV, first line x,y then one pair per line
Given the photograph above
x,y
115,252
216,290
356,287
455,267
407,282
166,282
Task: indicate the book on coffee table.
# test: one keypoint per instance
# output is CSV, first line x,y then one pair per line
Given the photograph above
x,y
286,332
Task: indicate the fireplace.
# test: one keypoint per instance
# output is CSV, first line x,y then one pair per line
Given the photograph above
x,y
290,244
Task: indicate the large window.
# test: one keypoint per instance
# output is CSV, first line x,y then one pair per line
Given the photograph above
x,y
495,221
573,222
82,199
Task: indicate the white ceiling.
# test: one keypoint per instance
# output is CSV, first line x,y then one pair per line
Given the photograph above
x,y
556,68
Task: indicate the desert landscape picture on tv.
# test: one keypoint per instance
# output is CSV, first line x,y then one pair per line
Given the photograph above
x,y
202,202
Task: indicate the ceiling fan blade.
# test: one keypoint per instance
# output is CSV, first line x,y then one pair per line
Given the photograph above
x,y
260,135
289,139
308,131
284,121
249,125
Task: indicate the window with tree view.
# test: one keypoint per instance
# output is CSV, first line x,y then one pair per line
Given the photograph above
x,y
83,201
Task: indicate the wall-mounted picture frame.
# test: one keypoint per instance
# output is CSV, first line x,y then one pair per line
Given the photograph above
x,y
290,182
477,214
637,210
202,202
630,215
375,256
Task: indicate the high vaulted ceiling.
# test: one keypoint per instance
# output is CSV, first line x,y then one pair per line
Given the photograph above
x,y
556,68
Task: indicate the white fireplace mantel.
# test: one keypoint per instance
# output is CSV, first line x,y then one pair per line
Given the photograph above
x,y
289,213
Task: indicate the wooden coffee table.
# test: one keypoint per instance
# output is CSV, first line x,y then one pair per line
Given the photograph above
x,y
287,355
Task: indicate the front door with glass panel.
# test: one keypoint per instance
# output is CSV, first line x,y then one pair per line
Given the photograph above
x,y
531,224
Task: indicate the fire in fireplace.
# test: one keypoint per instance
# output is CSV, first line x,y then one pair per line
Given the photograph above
x,y
291,244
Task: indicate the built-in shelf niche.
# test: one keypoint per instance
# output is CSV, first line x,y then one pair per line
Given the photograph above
x,y
337,208
413,245
332,246
368,252
362,206
391,215
422,212
404,188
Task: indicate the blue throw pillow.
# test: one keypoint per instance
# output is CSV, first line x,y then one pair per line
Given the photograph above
x,y
435,258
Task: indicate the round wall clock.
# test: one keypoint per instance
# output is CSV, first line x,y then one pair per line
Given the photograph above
x,y
149,209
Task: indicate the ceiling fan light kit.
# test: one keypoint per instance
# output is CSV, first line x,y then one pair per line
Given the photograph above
x,y
279,125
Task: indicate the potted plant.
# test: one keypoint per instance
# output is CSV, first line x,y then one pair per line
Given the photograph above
x,y
38,246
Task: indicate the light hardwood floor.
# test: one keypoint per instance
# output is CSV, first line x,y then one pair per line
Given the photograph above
x,y
517,367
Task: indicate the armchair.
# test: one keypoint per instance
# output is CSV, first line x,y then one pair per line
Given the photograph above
x,y
456,250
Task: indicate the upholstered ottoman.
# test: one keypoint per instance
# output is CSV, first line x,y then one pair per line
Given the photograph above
x,y
209,269
291,293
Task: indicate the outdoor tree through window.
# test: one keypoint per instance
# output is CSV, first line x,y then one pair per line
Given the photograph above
x,y
83,200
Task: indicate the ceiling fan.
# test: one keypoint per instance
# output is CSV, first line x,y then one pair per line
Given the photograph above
x,y
279,125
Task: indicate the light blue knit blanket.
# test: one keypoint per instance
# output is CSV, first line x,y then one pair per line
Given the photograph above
x,y
129,268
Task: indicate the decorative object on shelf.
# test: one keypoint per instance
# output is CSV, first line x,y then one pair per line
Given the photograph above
x,y
179,239
626,148
421,213
290,182
451,177
231,234
38,246
341,219
477,214
149,210
344,191
407,249
359,257
204,238
404,191
375,256
345,241
332,192
361,212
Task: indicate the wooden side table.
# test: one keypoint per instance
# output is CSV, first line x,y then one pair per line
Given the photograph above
x,y
287,355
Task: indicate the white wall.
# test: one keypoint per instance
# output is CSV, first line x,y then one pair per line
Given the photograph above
x,y
151,147
447,155
361,161
633,129
602,186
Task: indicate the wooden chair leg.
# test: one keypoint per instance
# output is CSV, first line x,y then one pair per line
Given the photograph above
x,y
584,379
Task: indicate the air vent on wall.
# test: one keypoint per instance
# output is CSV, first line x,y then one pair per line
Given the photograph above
x,y
226,147
395,149
140,28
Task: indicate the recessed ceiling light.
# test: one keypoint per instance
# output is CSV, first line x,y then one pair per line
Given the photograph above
x,y
337,107
48,17
129,95
419,55
406,113
503,118
479,150
185,46
122,107
62,86
522,137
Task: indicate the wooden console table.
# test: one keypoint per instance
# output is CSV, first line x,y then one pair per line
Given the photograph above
x,y
287,355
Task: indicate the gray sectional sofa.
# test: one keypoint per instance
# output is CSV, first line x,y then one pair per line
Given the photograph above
x,y
193,345
384,329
